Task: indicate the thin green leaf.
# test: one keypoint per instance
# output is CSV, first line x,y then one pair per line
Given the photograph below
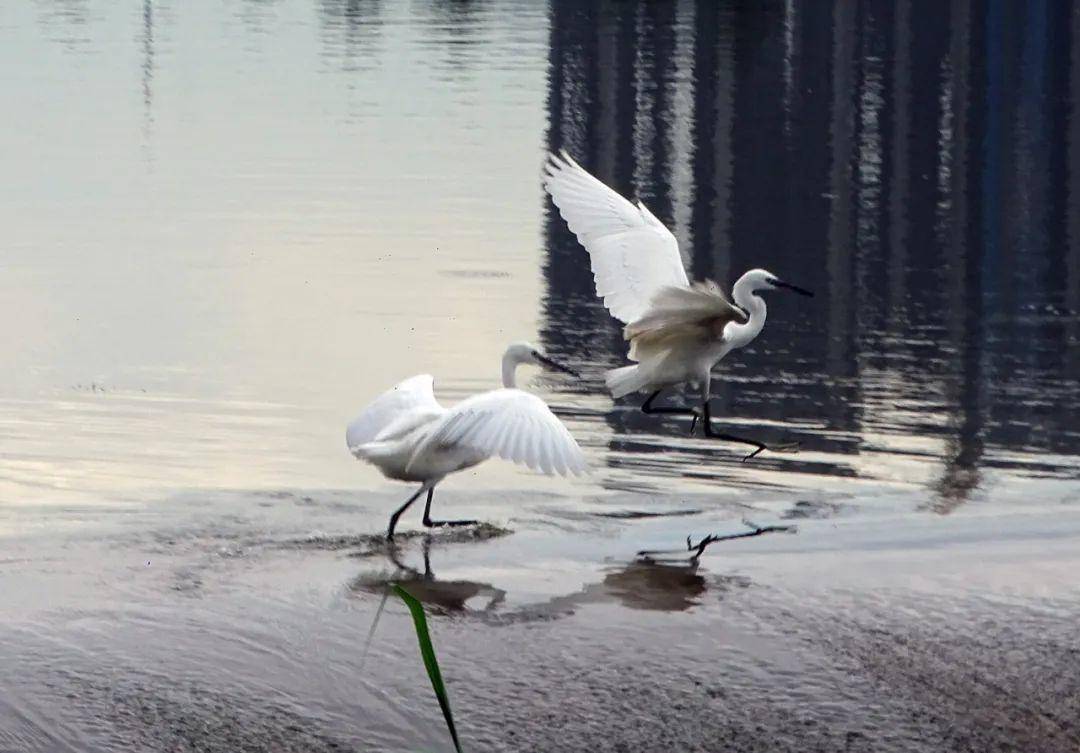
x,y
427,651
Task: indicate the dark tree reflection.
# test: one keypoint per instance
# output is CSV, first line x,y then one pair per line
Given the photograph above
x,y
915,163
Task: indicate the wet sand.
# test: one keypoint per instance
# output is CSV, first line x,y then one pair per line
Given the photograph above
x,y
245,631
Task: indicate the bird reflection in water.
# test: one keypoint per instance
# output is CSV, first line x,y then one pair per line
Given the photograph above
x,y
447,596
643,584
654,586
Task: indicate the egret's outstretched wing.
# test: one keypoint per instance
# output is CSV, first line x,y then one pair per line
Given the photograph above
x,y
414,396
695,314
512,424
633,255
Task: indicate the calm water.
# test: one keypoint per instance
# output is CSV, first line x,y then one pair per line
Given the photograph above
x,y
228,224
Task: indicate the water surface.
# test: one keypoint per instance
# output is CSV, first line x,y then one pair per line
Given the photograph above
x,y
229,224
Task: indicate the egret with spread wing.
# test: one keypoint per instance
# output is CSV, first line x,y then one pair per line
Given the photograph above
x,y
677,330
409,436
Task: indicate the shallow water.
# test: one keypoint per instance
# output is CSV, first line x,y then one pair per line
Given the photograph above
x,y
228,225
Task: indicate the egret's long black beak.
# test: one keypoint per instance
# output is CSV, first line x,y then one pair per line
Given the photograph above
x,y
555,365
796,288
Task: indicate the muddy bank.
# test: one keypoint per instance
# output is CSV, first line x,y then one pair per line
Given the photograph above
x,y
860,633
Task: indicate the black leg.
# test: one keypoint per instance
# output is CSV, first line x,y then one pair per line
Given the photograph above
x,y
440,523
709,432
394,556
648,409
426,549
403,508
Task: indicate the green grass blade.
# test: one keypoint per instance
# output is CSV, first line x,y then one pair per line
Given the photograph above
x,y
427,651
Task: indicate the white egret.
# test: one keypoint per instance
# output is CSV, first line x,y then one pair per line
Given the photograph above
x,y
408,436
678,330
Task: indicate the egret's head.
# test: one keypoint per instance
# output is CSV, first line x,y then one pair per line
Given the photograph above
x,y
523,352
763,279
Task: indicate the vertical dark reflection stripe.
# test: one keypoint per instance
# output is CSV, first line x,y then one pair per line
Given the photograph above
x,y
608,64
576,123
842,132
653,74
714,82
1071,303
1053,276
1032,165
791,57
965,388
899,174
1059,276
148,76
999,149
869,163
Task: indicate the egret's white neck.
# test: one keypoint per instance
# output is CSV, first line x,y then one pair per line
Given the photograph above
x,y
510,362
744,295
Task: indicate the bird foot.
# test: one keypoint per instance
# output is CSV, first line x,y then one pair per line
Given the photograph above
x,y
429,523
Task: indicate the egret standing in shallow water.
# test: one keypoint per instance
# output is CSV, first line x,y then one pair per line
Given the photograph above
x,y
677,330
408,436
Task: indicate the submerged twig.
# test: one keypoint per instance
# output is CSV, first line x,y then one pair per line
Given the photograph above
x,y
699,548
392,553
374,624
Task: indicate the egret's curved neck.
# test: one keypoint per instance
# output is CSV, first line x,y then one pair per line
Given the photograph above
x,y
744,295
510,362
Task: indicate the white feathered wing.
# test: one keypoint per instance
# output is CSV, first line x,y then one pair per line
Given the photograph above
x,y
633,254
403,406
679,325
511,424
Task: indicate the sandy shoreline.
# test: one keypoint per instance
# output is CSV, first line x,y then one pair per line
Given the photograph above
x,y
861,633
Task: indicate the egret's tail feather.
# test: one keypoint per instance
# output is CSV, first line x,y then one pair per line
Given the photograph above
x,y
624,380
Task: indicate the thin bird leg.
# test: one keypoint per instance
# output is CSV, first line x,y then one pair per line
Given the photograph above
x,y
403,508
709,432
699,548
394,555
648,409
440,523
425,547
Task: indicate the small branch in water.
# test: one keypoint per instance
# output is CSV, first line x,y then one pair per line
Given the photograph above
x,y
698,549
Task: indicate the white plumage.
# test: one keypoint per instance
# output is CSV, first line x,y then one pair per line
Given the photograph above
x,y
633,255
677,330
413,397
511,424
409,436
